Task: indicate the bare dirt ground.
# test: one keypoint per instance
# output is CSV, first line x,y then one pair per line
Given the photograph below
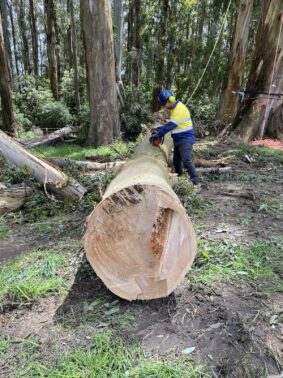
x,y
234,326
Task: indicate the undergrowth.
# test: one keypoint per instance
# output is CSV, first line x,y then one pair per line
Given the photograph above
x,y
224,261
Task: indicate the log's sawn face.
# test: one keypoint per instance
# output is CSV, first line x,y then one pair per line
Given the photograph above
x,y
140,242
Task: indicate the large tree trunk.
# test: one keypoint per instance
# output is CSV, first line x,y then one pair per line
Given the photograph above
x,y
51,46
6,88
51,178
98,35
118,28
228,107
32,20
265,75
139,239
14,40
6,33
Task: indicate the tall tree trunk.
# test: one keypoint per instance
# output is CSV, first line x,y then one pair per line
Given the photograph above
x,y
228,107
118,40
74,53
25,45
98,34
14,41
265,75
137,42
32,20
4,13
51,47
5,87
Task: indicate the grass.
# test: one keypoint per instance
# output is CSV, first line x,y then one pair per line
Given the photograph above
x,y
31,277
109,356
220,261
4,232
76,152
259,153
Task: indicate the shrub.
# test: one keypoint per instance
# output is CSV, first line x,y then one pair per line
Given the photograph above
x,y
53,115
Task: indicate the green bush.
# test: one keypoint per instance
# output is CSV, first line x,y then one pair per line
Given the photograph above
x,y
23,123
53,115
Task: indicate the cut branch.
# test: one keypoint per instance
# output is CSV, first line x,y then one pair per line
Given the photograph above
x,y
12,198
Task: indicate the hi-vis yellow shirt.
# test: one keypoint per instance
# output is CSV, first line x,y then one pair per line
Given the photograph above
x,y
181,117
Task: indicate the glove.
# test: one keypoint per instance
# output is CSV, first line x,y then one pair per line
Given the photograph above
x,y
152,138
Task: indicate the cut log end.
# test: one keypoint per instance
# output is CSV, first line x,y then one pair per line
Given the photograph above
x,y
140,242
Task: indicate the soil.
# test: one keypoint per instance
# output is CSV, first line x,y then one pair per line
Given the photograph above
x,y
228,323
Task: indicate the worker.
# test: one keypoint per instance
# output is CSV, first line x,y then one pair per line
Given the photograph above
x,y
182,132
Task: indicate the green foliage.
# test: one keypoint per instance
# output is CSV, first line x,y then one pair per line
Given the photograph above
x,y
136,111
67,89
14,175
217,261
31,277
22,122
53,115
4,231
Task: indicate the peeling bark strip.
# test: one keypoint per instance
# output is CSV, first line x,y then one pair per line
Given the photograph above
x,y
52,179
139,239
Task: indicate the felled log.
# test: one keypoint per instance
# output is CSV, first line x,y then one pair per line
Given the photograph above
x,y
209,163
139,239
52,138
52,179
86,165
214,170
12,198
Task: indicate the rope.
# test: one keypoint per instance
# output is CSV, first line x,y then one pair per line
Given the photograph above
x,y
262,129
212,52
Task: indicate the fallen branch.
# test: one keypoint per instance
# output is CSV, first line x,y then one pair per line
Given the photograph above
x,y
86,165
12,198
214,170
209,163
52,138
52,179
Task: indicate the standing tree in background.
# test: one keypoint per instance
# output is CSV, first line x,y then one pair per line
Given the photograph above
x,y
98,36
5,87
6,33
34,38
228,106
23,31
50,12
265,76
118,36
14,40
73,53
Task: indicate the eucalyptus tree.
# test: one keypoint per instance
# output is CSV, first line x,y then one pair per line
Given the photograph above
x,y
34,36
264,88
24,36
6,32
100,63
8,120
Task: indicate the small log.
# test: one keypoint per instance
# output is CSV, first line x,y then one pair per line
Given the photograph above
x,y
214,170
52,179
12,198
209,163
52,138
86,165
139,239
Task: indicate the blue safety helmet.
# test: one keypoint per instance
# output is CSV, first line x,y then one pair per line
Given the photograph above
x,y
164,96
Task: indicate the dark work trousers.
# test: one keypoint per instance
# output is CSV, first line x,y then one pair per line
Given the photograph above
x,y
182,158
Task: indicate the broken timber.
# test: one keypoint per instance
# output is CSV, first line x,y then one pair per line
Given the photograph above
x,y
52,179
139,239
12,198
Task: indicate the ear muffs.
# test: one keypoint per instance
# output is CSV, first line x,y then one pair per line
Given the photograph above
x,y
172,99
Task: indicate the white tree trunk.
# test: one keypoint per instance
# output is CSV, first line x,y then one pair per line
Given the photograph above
x,y
139,239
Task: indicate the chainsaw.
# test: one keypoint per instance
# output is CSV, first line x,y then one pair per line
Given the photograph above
x,y
156,142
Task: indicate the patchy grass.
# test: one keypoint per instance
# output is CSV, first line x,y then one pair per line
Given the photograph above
x,y
75,152
4,232
220,261
109,356
34,276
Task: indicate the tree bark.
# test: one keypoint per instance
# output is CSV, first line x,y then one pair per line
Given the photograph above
x,y
118,33
25,46
98,35
87,165
74,53
6,33
6,88
14,41
139,239
228,107
49,8
265,75
12,198
32,20
52,179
